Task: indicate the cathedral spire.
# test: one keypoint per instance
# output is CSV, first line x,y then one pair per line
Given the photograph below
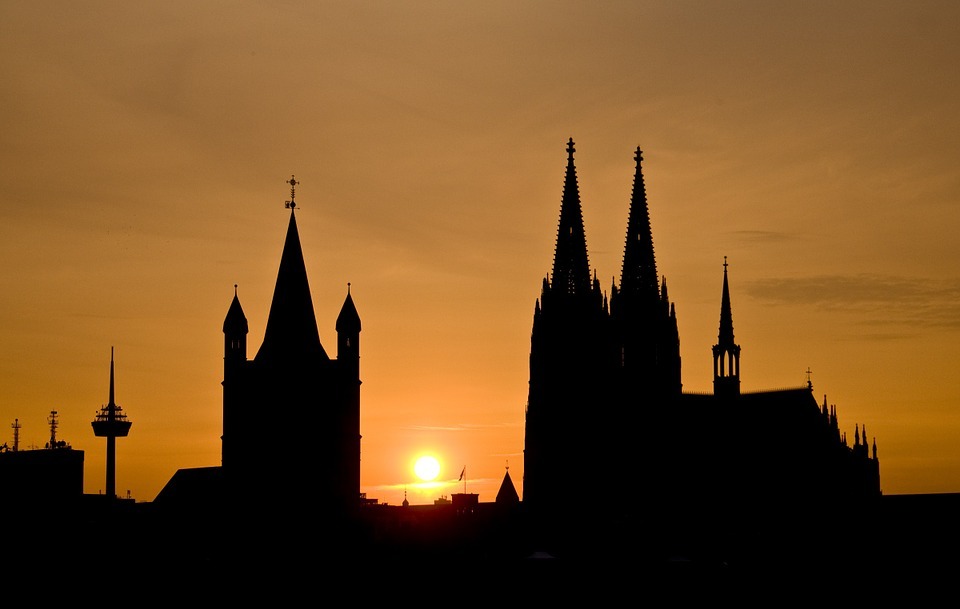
x,y
726,353
292,324
639,273
726,314
571,268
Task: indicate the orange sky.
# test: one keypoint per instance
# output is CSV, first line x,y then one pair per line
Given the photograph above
x,y
146,146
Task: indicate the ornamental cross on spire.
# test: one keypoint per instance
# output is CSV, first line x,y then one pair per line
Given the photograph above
x,y
292,203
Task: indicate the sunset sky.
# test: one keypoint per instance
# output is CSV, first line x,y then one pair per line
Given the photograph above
x,y
146,146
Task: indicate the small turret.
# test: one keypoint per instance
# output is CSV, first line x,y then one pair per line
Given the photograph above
x,y
235,331
348,330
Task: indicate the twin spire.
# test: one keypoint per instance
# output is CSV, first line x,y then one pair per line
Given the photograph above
x,y
571,267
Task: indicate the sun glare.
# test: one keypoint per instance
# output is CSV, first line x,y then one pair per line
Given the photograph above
x,y
427,468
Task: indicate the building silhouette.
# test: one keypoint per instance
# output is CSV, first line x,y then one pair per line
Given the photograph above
x,y
34,480
292,375
605,384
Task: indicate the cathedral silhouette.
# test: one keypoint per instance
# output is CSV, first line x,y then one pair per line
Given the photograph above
x,y
605,382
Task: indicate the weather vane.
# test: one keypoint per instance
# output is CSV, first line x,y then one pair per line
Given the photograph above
x,y
292,203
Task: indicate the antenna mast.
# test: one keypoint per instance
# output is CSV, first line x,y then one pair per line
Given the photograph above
x,y
52,419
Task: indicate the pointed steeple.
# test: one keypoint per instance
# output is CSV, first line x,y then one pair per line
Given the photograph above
x,y
291,331
726,313
639,273
571,268
726,353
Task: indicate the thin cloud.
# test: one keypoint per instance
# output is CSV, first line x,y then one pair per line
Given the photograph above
x,y
877,299
762,236
462,427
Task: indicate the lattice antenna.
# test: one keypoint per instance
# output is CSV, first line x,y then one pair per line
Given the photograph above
x,y
16,434
52,419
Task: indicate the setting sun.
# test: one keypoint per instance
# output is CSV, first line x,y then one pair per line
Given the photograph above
x,y
427,468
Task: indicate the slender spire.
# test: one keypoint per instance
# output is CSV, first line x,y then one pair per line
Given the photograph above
x,y
726,314
639,273
726,353
112,403
291,331
571,268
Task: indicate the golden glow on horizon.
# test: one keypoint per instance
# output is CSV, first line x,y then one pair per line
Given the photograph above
x,y
427,468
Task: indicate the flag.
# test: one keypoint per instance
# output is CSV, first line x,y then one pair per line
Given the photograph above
x,y
462,472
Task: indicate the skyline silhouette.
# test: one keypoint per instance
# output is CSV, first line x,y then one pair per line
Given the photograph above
x,y
719,505
146,148
589,355
291,366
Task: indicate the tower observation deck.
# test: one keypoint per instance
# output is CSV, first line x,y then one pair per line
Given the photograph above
x,y
111,423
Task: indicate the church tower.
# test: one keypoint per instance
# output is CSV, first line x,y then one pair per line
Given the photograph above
x,y
601,371
726,353
291,415
570,367
645,320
